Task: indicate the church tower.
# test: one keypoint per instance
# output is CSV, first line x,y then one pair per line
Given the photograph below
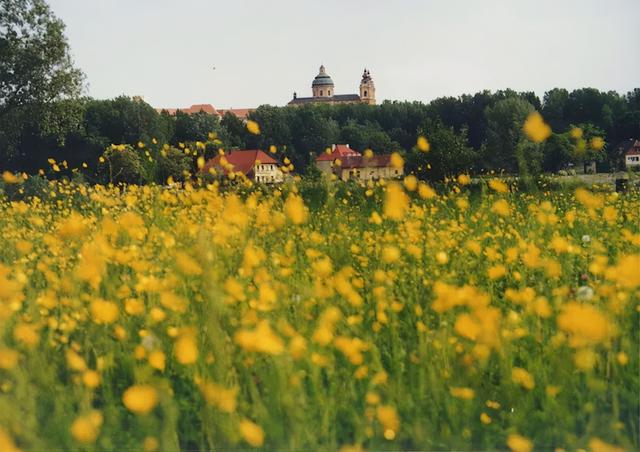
x,y
322,85
367,89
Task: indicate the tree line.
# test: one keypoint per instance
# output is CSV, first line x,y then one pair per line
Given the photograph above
x,y
43,117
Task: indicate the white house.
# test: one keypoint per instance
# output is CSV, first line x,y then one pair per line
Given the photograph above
x,y
632,154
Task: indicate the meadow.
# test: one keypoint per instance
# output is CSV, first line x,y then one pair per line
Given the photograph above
x,y
389,316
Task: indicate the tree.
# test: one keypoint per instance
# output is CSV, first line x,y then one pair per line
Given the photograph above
x,y
194,127
449,155
557,152
36,72
123,120
504,132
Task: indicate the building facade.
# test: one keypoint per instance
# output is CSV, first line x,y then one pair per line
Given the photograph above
x,y
241,113
632,154
323,91
347,163
256,165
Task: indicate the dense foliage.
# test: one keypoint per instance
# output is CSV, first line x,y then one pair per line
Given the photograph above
x,y
37,78
477,133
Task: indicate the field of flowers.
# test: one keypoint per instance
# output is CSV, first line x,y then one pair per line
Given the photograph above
x,y
391,317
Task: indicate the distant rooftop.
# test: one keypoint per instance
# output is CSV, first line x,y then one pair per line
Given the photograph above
x,y
208,108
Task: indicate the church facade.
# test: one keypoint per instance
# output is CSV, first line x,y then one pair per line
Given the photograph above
x,y
323,91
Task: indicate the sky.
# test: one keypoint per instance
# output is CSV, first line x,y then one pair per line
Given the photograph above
x,y
263,51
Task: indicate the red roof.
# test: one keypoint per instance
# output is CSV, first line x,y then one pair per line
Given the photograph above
x,y
242,161
635,149
207,108
339,151
239,112
196,108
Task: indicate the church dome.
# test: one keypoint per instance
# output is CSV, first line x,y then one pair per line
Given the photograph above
x,y
322,79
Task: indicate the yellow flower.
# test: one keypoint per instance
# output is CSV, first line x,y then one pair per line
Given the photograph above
x,y
8,358
186,349
222,398
75,361
518,443
234,289
6,442
485,418
597,445
411,183
390,254
588,199
423,144
157,360
585,325
140,399
27,334
496,272
426,192
576,133
396,202
295,209
91,379
253,127
262,340
10,178
597,143
535,128
86,429
501,207
464,179
104,311
522,377
498,186
388,418
463,393
396,160
626,273
252,433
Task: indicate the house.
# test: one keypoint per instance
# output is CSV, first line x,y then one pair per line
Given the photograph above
x,y
347,163
324,161
631,151
241,113
323,91
256,165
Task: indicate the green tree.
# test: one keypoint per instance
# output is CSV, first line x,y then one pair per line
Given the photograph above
x,y
195,127
504,131
449,154
36,73
557,152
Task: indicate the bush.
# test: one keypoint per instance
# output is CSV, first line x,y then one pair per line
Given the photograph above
x,y
174,163
122,164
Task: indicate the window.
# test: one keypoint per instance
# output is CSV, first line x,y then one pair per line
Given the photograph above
x,y
329,93
365,93
321,92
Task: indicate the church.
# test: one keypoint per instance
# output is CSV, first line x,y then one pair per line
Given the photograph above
x,y
323,91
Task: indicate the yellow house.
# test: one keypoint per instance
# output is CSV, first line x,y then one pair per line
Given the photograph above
x,y
347,163
366,169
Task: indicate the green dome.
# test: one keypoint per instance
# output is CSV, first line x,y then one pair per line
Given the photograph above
x,y
322,79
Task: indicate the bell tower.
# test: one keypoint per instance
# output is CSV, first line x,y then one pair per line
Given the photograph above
x,y
367,89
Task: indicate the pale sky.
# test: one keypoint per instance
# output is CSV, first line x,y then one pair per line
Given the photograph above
x,y
263,51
